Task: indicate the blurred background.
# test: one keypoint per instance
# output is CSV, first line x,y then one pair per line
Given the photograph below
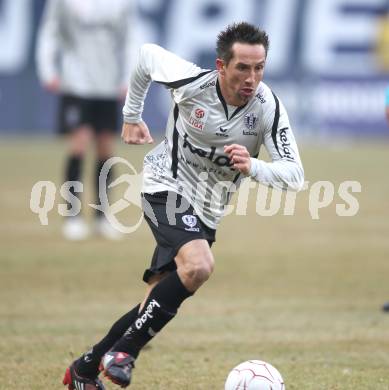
x,y
329,60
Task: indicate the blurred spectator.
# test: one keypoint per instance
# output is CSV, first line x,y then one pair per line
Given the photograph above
x,y
83,54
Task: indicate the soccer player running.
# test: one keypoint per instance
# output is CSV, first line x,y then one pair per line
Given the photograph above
x,y
218,122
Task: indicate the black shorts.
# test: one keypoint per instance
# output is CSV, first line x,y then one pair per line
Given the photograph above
x,y
171,229
100,114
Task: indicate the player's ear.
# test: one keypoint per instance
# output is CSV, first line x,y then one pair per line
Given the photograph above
x,y
220,66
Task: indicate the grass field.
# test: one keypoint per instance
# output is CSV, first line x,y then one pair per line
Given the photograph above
x,y
303,294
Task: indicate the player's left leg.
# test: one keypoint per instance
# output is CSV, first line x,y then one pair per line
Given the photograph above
x,y
194,266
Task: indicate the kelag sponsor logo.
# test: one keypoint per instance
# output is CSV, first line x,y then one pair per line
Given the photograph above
x,y
285,144
208,84
221,161
250,132
147,314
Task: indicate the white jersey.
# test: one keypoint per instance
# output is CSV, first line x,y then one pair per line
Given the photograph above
x,y
191,160
85,43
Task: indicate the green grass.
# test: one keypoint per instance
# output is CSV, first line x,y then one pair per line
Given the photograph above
x,y
303,294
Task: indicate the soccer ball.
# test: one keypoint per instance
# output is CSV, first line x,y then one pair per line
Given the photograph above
x,y
254,375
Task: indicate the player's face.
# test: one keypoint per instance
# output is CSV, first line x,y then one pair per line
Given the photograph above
x,y
239,78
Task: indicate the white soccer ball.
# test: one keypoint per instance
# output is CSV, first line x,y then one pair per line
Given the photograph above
x,y
254,375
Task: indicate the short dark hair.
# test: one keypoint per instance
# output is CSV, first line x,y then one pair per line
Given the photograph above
x,y
239,32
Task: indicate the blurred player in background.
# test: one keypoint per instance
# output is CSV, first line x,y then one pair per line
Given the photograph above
x,y
83,54
217,124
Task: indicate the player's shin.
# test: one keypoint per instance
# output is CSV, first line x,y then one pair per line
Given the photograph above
x,y
160,307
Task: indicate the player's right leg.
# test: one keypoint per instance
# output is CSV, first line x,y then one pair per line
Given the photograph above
x,y
194,266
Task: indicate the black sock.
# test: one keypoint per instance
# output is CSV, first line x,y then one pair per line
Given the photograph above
x,y
73,173
98,168
161,306
88,363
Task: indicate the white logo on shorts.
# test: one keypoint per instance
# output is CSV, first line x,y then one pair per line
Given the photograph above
x,y
191,221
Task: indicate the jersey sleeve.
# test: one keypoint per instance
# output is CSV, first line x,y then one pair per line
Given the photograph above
x,y
48,42
285,171
159,65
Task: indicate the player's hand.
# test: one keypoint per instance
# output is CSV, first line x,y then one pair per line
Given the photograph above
x,y
53,85
136,134
240,157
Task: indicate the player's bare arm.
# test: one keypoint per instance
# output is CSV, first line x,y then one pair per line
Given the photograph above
x,y
240,157
136,134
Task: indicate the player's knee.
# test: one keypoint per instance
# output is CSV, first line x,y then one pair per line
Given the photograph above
x,y
195,264
200,270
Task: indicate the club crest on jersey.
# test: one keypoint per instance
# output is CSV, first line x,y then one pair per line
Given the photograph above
x,y
250,120
191,222
198,117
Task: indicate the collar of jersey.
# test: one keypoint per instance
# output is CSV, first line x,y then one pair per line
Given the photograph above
x,y
224,104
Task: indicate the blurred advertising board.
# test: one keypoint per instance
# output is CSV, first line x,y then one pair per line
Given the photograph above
x,y
328,61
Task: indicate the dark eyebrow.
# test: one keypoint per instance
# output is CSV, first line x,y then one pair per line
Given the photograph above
x,y
244,64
